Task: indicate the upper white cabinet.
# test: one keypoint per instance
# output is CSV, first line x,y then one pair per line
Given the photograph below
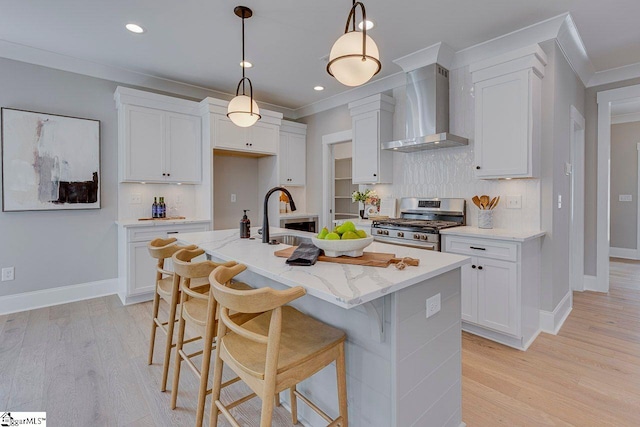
x,y
508,91
372,124
292,158
261,138
160,138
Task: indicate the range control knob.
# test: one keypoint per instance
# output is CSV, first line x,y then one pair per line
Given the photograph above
x,y
400,234
386,232
379,231
416,236
424,237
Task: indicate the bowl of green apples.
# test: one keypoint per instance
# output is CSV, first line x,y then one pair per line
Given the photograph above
x,y
344,240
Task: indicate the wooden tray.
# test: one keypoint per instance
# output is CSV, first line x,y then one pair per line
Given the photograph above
x,y
370,259
172,218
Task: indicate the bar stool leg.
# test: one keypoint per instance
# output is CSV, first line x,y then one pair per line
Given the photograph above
x,y
294,405
204,374
341,374
154,326
175,294
176,369
217,381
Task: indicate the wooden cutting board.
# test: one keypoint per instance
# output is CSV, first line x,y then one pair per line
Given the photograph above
x,y
172,218
370,259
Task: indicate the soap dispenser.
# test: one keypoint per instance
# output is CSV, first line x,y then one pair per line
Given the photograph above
x,y
245,226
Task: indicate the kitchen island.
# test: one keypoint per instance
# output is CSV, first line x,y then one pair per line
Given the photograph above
x,y
403,369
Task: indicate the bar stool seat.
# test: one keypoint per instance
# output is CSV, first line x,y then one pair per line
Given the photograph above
x,y
297,344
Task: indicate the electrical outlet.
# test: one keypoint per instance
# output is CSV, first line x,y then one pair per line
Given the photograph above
x,y
8,273
135,199
514,202
559,201
433,305
233,198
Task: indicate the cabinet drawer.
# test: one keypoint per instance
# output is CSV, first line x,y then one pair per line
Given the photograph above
x,y
140,234
483,248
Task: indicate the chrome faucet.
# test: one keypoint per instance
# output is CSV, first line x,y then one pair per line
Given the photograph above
x,y
265,219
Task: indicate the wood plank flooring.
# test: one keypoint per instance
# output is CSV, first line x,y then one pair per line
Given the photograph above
x,y
587,375
85,364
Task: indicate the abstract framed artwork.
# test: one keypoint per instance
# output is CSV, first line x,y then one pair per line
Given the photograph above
x,y
49,161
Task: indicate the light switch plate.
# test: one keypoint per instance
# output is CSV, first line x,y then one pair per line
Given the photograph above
x,y
233,198
625,198
514,202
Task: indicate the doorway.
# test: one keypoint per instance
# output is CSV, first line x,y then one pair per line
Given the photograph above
x,y
606,100
329,142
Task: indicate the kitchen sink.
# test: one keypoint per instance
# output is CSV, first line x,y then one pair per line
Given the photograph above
x,y
291,239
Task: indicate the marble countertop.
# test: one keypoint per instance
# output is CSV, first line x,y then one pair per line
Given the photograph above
x,y
153,223
493,233
344,285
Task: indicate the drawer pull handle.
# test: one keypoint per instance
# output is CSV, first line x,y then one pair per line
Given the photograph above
x,y
477,248
172,232
473,266
479,267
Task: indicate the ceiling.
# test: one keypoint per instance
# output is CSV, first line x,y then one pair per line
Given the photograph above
x,y
199,42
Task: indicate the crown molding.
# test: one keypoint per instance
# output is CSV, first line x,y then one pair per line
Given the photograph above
x,y
45,58
627,72
440,53
573,49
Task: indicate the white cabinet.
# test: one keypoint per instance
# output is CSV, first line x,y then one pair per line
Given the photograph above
x,y
292,158
500,293
261,138
159,138
137,270
372,124
508,91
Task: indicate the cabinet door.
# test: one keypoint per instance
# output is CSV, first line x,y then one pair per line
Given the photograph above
x,y
498,305
503,126
143,144
142,269
283,159
469,291
297,159
366,148
183,148
227,135
263,138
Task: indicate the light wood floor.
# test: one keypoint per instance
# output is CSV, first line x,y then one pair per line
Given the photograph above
x,y
587,375
85,364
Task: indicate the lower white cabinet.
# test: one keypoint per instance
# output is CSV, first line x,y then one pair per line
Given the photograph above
x,y
500,288
136,268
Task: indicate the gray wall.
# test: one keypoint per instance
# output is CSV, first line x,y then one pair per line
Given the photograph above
x,y
624,180
591,167
58,248
237,175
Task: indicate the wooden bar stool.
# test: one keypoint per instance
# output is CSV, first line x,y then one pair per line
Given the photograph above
x,y
274,351
199,311
167,290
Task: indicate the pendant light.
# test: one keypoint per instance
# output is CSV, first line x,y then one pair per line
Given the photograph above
x,y
243,110
354,57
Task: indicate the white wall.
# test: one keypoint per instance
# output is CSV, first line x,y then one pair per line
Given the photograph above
x,y
239,176
624,180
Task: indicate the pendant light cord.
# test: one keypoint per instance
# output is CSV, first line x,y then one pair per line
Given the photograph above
x,y
244,64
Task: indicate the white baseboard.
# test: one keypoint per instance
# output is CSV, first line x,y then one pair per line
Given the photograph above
x,y
55,296
135,299
552,321
590,283
624,253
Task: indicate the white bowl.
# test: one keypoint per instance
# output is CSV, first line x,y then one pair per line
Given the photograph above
x,y
336,248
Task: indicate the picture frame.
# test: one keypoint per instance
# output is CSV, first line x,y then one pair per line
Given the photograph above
x,y
49,161
370,210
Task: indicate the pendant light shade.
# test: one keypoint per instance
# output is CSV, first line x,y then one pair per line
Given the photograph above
x,y
354,57
243,110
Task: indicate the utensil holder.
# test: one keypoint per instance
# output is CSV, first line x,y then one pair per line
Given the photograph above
x,y
485,219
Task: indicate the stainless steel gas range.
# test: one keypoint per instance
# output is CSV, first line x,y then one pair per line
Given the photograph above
x,y
420,222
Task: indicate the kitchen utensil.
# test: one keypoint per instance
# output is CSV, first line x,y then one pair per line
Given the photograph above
x,y
484,201
492,202
370,259
496,203
476,201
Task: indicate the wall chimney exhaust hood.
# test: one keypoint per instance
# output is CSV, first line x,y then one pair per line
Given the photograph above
x,y
427,111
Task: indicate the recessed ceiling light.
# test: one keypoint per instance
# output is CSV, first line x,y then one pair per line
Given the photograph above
x,y
135,28
370,24
246,64
318,88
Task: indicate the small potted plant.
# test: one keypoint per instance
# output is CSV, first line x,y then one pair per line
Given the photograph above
x,y
367,198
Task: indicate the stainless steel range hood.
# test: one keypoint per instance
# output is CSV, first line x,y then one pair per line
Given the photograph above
x,y
427,111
